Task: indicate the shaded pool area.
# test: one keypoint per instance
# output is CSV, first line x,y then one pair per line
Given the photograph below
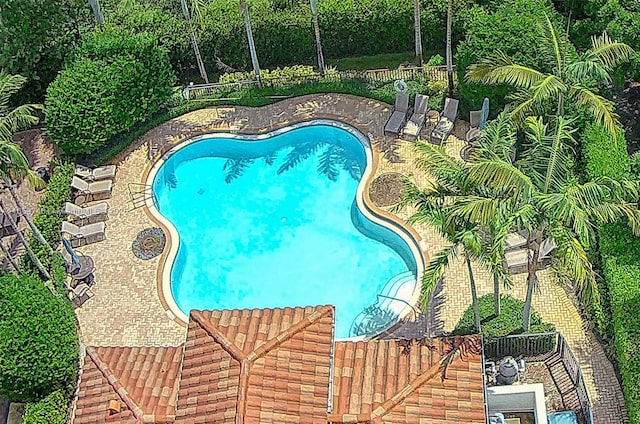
x,y
276,221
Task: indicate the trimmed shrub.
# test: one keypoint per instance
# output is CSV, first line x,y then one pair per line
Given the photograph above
x,y
117,80
50,410
509,322
38,340
286,74
619,249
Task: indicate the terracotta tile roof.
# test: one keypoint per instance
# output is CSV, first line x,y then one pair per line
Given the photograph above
x,y
257,366
143,381
389,381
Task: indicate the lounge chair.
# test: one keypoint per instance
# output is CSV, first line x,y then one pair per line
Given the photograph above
x,y
517,260
88,234
399,115
89,215
95,174
444,127
79,267
416,122
97,190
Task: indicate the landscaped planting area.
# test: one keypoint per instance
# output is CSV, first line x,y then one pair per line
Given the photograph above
x,y
554,162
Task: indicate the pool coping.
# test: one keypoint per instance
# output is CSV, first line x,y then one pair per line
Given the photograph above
x,y
363,201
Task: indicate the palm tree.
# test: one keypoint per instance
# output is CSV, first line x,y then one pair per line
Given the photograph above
x,y
316,31
571,76
197,6
417,29
252,47
448,53
433,206
542,197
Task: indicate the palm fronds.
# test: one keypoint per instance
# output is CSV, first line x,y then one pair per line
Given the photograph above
x,y
500,69
608,52
299,153
602,109
235,168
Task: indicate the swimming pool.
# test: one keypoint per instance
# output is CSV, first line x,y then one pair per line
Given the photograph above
x,y
278,220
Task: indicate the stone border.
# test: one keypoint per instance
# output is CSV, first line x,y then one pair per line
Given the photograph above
x,y
364,202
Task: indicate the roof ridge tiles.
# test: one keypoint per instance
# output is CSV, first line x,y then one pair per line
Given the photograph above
x,y
287,334
138,413
220,338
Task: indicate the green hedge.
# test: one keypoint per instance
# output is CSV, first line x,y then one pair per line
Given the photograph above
x,y
509,322
116,81
619,251
284,36
38,340
50,410
260,97
49,221
513,27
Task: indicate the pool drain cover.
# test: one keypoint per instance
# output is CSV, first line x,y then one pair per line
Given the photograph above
x,y
149,243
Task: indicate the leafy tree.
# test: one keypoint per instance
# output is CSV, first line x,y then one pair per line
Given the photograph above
x,y
511,26
38,340
540,195
15,167
117,80
570,77
36,37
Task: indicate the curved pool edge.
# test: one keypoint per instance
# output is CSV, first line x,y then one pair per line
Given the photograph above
x,y
363,201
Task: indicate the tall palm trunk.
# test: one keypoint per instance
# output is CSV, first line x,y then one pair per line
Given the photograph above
x,y
496,296
7,254
532,279
252,47
30,252
449,56
21,209
316,30
474,296
194,41
417,28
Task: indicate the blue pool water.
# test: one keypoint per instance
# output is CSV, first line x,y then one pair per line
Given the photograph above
x,y
274,223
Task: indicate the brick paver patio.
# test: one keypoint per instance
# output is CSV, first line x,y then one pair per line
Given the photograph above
x,y
126,309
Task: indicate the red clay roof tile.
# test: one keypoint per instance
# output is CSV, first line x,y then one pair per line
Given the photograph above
x,y
265,366
389,381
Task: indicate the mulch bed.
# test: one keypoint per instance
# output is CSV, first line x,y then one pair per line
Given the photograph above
x,y
386,190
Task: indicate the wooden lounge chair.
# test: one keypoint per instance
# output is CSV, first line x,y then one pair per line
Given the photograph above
x,y
87,192
399,115
88,234
444,127
416,122
95,174
89,215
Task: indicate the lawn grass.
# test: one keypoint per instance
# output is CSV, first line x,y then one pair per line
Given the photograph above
x,y
379,61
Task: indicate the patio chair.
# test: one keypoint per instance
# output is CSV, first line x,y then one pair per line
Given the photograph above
x,y
78,266
87,192
474,125
416,122
81,236
79,293
89,215
399,115
95,174
6,229
444,127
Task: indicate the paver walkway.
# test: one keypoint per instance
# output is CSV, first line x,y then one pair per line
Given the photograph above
x,y
126,309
